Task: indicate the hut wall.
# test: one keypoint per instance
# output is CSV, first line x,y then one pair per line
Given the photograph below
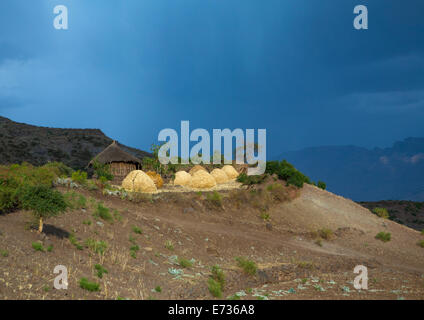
x,y
120,170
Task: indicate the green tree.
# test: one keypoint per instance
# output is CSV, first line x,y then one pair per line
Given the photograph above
x,y
43,202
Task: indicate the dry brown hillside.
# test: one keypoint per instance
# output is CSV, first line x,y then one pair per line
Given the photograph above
x,y
305,245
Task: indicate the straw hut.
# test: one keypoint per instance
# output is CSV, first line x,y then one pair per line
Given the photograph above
x,y
121,162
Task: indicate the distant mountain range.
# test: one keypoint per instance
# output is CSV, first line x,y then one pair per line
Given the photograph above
x,y
366,175
38,145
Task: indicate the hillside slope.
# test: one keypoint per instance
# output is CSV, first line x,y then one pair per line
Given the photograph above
x,y
38,145
143,265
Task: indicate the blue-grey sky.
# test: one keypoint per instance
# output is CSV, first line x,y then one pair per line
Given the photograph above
x,y
296,68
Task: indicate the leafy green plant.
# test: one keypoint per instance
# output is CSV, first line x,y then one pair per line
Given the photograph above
x,y
158,289
184,263
137,230
214,288
247,265
37,246
102,171
43,202
87,285
74,242
321,185
79,177
100,270
383,236
4,253
103,212
218,275
169,245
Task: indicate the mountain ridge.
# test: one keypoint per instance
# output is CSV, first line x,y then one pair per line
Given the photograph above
x,y
38,145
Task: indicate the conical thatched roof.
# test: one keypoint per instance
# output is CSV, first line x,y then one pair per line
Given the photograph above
x,y
114,153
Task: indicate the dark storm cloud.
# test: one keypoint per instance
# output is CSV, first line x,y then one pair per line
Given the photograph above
x,y
296,68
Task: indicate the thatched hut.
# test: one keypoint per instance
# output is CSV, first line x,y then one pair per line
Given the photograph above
x,y
121,162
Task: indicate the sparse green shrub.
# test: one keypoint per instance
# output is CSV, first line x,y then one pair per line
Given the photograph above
x,y
169,245
137,230
244,179
59,168
4,253
383,236
321,185
421,243
287,172
218,275
100,270
103,213
133,251
184,263
158,289
75,201
50,248
381,212
87,222
102,171
265,216
326,233
42,201
37,246
79,177
214,288
96,246
278,192
87,285
74,241
247,265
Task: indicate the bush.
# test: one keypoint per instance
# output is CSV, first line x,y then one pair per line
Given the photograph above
x,y
43,202
102,171
87,285
59,168
215,198
244,179
218,275
381,212
326,234
383,236
100,270
79,177
214,288
248,266
137,230
321,185
184,263
287,172
37,246
103,213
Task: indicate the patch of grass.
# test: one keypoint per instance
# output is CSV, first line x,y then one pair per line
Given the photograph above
x,y
214,288
318,242
96,246
103,212
137,230
215,198
381,212
422,232
50,248
74,241
326,233
46,288
87,285
246,180
100,270
158,289
37,246
133,251
4,253
265,216
305,264
184,263
87,222
421,243
169,245
383,236
234,297
247,265
131,239
218,275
